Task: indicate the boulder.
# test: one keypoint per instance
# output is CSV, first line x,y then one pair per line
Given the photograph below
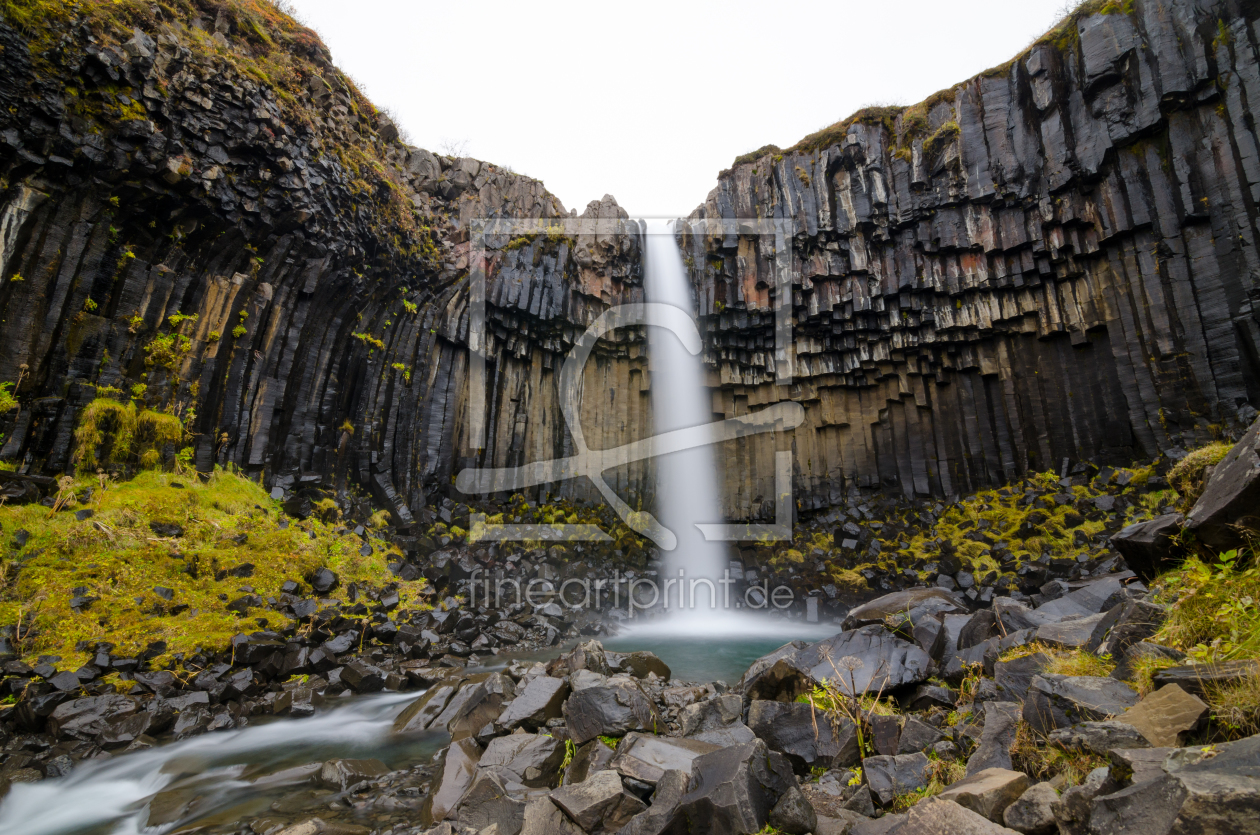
x,y
988,792
1056,701
1231,496
733,790
419,715
592,757
1033,813
88,717
916,735
889,777
342,774
541,817
793,814
1001,721
716,720
885,734
532,760
487,804
1193,677
1072,633
362,678
586,656
1100,737
865,660
456,768
982,626
613,709
665,800
899,604
927,696
1014,677
775,676
542,698
476,705
1126,624
645,757
1216,791
1165,715
1148,547
806,735
1088,597
599,804
1143,649
1072,809
936,816
640,665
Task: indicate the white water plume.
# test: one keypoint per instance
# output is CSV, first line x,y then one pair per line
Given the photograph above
x,y
687,482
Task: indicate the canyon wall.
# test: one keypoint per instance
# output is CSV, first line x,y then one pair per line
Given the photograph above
x,y
200,213
1052,262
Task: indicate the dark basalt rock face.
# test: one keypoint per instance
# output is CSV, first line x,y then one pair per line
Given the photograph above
x,y
1029,268
145,176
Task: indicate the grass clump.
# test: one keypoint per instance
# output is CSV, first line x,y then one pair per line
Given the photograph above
x,y
120,435
1187,476
1042,759
941,775
114,560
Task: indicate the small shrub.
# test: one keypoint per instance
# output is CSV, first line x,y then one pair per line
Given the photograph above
x,y
238,331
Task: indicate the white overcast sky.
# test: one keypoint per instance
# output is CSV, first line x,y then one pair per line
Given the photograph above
x,y
649,100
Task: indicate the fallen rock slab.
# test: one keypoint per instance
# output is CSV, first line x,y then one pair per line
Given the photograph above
x,y
988,792
1100,737
1033,812
646,758
1194,678
944,817
1231,495
1056,701
613,709
889,777
1165,715
806,735
733,790
600,804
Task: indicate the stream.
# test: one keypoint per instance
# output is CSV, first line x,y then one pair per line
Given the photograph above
x,y
265,769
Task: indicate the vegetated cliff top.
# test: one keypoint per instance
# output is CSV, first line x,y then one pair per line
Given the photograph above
x,y
111,67
906,122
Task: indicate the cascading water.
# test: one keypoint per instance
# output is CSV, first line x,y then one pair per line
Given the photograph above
x,y
687,485
228,774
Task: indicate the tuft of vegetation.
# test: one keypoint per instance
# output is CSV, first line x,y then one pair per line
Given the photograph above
x,y
1213,612
941,137
1042,759
753,156
1187,476
122,436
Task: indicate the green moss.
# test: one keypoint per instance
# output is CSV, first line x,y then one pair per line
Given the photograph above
x,y
132,437
941,137
753,156
116,558
1187,476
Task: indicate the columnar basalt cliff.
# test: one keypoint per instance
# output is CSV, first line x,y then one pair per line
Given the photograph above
x,y
1051,262
199,211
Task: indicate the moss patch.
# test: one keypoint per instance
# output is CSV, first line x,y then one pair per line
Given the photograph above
x,y
115,557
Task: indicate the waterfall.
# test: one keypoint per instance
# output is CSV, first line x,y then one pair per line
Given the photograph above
x,y
687,484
